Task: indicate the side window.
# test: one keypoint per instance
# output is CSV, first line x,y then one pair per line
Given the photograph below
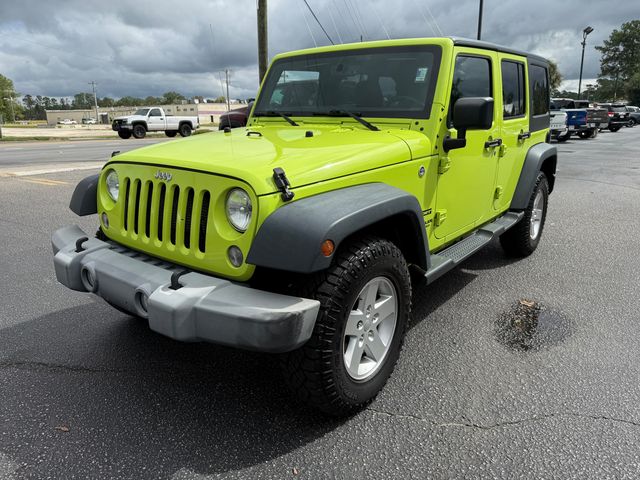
x,y
154,112
539,89
513,93
471,78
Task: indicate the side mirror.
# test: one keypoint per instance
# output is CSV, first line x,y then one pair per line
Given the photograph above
x,y
471,113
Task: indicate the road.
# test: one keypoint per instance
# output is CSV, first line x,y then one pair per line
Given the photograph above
x,y
21,154
87,392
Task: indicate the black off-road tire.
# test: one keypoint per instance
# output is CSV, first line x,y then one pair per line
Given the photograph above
x,y
139,131
170,133
316,372
517,241
124,134
185,130
616,128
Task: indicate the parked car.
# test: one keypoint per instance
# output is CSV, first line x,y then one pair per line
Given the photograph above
x,y
618,115
236,117
576,121
558,129
634,113
89,121
66,121
596,118
296,234
154,120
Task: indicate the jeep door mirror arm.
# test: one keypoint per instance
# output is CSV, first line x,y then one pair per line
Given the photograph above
x,y
475,113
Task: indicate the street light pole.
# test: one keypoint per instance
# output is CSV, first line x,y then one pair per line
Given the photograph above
x,y
585,32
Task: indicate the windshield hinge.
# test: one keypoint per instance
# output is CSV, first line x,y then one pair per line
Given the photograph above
x,y
282,184
444,165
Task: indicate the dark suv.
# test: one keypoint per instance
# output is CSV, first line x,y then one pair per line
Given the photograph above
x,y
618,115
235,118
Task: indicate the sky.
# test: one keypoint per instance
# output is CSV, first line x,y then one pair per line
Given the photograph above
x,y
149,47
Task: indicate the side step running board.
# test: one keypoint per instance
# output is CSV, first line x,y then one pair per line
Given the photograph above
x,y
452,256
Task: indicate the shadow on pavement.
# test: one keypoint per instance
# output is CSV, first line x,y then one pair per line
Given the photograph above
x,y
137,404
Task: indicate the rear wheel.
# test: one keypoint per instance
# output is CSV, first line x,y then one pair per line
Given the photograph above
x,y
584,134
139,131
124,134
563,138
365,304
614,128
522,239
170,133
185,130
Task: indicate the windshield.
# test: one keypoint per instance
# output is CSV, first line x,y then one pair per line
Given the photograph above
x,y
375,82
142,111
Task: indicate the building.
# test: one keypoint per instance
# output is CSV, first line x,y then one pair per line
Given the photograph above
x,y
208,113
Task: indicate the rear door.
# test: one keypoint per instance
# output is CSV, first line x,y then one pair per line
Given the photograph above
x,y
515,134
465,191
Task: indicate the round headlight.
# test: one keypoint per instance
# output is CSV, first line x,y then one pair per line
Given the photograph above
x,y
238,209
113,185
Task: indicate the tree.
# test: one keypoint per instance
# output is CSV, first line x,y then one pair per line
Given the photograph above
x,y
555,77
171,98
106,102
9,108
620,56
220,99
633,89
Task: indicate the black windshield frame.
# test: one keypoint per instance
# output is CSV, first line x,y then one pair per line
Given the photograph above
x,y
279,65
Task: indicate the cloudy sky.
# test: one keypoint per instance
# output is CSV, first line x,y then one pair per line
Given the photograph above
x,y
148,47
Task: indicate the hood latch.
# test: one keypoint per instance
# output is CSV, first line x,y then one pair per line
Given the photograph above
x,y
282,184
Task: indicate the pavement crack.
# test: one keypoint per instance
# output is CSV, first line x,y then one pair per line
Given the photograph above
x,y
505,424
53,367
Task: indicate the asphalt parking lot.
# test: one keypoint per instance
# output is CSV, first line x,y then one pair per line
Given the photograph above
x,y
87,392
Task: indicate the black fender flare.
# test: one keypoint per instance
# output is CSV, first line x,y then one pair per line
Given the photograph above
x,y
84,200
540,157
290,238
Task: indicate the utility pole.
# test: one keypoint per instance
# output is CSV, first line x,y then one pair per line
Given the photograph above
x,y
13,115
480,20
226,74
263,42
95,98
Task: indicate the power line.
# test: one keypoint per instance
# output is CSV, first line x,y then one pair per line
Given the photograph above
x,y
435,22
307,24
314,16
335,26
425,18
375,10
356,9
346,4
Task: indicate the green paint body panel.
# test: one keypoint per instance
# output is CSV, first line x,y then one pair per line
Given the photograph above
x,y
465,187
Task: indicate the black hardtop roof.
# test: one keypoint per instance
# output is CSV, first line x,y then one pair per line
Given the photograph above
x,y
468,42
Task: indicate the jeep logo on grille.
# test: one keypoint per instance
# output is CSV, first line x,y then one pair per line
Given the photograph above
x,y
163,176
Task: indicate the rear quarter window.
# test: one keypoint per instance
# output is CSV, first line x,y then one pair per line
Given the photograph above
x,y
539,93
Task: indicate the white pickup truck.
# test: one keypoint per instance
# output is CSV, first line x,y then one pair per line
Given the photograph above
x,y
153,120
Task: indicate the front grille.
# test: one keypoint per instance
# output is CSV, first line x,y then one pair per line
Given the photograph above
x,y
157,210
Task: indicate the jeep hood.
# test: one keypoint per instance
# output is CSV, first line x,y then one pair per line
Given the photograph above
x,y
251,154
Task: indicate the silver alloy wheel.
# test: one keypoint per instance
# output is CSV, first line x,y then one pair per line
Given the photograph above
x,y
536,215
370,327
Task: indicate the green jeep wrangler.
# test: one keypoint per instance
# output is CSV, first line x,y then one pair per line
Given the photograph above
x,y
359,165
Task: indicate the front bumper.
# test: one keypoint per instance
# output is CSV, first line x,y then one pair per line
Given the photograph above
x,y
116,127
204,308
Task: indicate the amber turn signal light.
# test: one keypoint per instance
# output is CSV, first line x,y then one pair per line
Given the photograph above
x,y
327,248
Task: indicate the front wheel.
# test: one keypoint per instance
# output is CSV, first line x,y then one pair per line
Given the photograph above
x,y
365,304
522,239
185,130
124,134
139,131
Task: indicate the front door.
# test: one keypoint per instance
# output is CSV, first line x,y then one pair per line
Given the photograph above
x,y
156,119
465,190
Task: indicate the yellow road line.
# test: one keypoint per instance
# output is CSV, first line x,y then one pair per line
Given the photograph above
x,y
44,181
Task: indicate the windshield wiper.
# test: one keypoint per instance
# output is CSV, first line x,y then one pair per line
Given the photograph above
x,y
274,113
342,113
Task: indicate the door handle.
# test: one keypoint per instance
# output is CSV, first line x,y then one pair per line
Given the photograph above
x,y
524,136
493,143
